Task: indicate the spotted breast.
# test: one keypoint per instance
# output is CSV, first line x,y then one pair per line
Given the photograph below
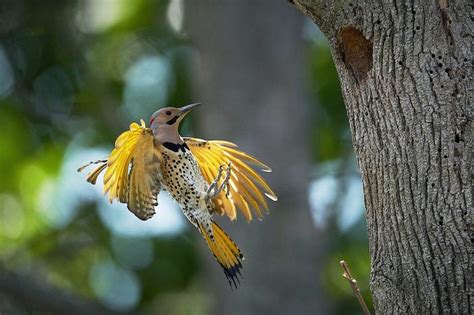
x,y
182,178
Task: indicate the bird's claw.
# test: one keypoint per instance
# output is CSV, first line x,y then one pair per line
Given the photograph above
x,y
227,178
215,188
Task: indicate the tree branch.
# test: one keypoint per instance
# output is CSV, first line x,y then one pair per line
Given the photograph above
x,y
355,288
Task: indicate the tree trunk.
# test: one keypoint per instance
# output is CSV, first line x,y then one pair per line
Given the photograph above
x,y
249,88
406,75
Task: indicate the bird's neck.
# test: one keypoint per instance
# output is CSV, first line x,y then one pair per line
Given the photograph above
x,y
170,134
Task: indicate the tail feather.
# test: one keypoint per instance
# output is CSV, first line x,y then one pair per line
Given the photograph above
x,y
225,251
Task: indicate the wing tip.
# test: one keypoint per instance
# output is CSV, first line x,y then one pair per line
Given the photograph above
x,y
272,197
142,215
225,143
83,167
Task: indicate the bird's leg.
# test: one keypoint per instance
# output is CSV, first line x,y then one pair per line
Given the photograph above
x,y
214,190
226,179
211,190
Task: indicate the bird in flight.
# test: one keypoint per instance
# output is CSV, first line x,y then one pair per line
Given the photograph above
x,y
204,177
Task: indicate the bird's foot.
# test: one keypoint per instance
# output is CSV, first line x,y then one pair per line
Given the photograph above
x,y
225,184
215,188
210,193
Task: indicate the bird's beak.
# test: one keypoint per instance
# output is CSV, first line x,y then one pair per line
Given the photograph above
x,y
186,109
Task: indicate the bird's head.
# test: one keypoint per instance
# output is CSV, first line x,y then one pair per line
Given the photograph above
x,y
165,122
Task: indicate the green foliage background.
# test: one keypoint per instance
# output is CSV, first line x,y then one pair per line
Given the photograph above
x,y
62,79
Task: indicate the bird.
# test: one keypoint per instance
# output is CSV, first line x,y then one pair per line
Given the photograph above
x,y
205,177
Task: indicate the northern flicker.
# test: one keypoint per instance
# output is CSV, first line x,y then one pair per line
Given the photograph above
x,y
204,177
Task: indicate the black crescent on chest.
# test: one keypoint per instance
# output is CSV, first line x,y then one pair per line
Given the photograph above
x,y
176,147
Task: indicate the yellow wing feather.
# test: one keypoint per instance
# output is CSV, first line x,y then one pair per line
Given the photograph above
x,y
246,187
132,173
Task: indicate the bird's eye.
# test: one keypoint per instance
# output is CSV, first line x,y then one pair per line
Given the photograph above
x,y
168,112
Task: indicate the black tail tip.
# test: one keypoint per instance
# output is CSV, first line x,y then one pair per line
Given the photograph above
x,y
233,275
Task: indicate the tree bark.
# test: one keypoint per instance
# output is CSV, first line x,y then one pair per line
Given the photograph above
x,y
406,75
249,88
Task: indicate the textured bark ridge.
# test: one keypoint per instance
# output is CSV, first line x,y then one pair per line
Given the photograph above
x,y
406,75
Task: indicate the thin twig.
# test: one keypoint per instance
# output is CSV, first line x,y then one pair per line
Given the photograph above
x,y
355,288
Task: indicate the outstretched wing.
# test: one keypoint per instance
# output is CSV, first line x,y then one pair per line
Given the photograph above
x,y
246,187
132,171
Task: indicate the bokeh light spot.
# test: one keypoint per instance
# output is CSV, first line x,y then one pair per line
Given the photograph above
x,y
31,177
175,14
97,16
146,85
117,288
322,193
329,193
133,252
167,221
12,219
52,205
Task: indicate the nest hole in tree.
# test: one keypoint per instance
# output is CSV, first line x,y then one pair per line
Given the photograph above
x,y
356,52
